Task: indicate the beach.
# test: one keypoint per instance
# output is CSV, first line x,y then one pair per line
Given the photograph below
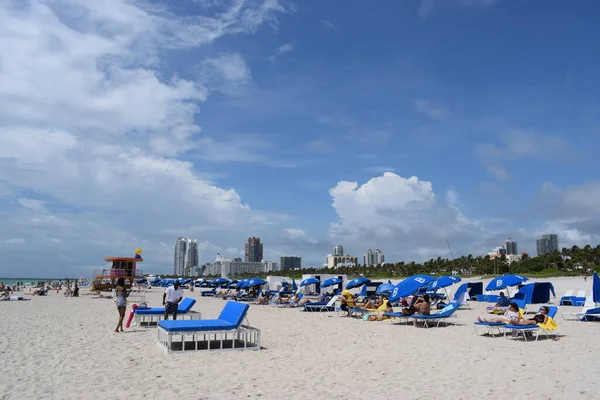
x,y
58,347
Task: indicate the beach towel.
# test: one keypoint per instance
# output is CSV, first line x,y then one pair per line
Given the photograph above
x,y
550,325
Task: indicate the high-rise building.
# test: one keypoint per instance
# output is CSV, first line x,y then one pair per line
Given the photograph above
x,y
185,257
373,257
511,246
253,250
338,250
547,244
290,263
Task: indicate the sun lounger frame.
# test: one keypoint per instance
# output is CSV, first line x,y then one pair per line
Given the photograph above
x,y
247,335
149,320
490,328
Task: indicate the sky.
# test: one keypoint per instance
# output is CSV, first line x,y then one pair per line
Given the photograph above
x,y
394,125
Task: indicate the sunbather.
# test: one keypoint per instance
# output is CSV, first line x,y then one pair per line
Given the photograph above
x,y
381,317
540,318
264,300
423,305
511,315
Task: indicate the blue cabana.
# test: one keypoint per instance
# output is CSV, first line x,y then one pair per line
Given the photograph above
x,y
535,293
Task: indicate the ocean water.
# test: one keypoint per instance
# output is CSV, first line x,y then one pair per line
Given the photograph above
x,y
12,281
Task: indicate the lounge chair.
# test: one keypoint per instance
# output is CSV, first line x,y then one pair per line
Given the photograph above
x,y
551,327
313,307
225,332
492,326
589,312
568,299
148,316
439,317
360,312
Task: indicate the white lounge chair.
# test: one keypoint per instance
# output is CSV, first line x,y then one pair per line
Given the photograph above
x,y
330,306
583,314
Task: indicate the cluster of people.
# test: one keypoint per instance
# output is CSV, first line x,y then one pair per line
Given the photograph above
x,y
513,316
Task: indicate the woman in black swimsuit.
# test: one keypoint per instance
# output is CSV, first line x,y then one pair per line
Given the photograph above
x,y
540,318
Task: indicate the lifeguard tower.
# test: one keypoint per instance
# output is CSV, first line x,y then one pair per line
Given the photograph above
x,y
120,267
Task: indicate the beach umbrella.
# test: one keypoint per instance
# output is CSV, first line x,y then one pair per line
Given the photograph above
x,y
331,282
141,280
219,282
241,283
309,281
596,288
444,281
505,281
254,282
358,282
294,286
409,286
385,288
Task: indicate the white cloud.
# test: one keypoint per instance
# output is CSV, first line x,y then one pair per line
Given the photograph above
x,y
281,50
227,73
95,124
426,7
401,216
514,144
330,25
299,234
15,241
431,110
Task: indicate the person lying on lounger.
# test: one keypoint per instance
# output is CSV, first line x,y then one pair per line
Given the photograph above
x,y
511,315
263,300
284,300
540,318
381,317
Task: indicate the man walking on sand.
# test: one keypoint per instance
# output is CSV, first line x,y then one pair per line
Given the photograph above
x,y
173,295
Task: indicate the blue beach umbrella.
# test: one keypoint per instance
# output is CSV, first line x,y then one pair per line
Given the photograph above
x,y
240,283
141,280
331,282
358,282
596,288
385,288
502,282
254,282
219,282
294,286
410,286
309,281
444,281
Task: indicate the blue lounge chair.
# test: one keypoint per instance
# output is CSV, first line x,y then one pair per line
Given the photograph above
x,y
225,332
314,307
439,317
550,328
146,317
491,327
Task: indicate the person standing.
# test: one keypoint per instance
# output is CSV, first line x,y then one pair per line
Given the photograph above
x,y
122,295
171,298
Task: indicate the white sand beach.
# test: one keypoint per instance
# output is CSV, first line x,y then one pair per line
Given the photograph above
x,y
66,348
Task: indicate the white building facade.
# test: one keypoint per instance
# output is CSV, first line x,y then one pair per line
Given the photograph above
x,y
373,257
227,267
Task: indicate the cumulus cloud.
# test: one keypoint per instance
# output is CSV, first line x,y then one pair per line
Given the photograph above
x,y
94,127
402,217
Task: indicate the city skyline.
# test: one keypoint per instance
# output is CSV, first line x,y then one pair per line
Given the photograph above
x,y
429,122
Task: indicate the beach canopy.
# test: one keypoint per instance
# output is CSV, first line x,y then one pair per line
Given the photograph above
x,y
385,288
444,281
240,283
504,281
309,281
331,282
410,286
596,288
219,281
358,282
253,282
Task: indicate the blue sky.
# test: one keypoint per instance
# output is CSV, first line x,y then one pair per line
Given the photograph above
x,y
396,125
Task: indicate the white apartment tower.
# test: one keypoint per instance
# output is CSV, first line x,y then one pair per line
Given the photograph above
x,y
373,257
338,250
185,256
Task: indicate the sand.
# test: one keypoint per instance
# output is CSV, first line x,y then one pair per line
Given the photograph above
x,y
66,348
